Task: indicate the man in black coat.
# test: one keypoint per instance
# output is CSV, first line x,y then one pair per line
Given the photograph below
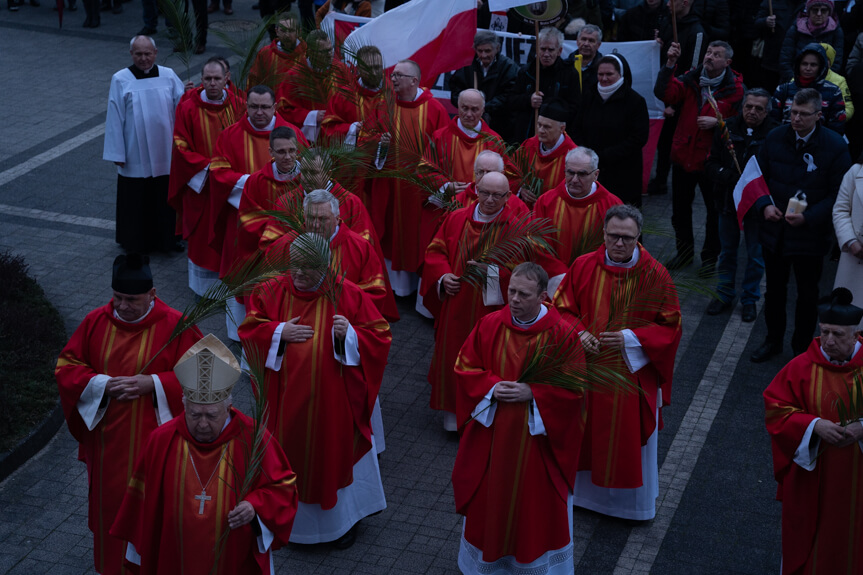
x,y
747,133
556,80
587,54
799,157
492,74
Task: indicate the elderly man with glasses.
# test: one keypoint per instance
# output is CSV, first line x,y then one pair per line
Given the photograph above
x,y
625,307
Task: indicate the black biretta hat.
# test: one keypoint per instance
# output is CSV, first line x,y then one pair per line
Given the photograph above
x,y
132,274
836,308
555,109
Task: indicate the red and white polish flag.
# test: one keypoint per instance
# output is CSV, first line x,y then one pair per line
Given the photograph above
x,y
749,188
436,34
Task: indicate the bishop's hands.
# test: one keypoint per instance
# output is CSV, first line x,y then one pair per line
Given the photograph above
x,y
241,515
128,388
294,332
340,327
606,339
836,435
527,196
512,392
450,284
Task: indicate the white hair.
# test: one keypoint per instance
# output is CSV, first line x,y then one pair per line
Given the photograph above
x,y
321,197
132,41
471,91
587,153
498,159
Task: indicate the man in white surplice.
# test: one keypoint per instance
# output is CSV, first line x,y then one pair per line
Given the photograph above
x,y
139,130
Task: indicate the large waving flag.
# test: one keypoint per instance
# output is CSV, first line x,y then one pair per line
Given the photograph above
x,y
749,188
436,34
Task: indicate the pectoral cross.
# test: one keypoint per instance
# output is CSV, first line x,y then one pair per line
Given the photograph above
x,y
203,497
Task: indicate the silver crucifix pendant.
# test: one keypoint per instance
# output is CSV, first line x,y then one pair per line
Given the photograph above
x,y
203,497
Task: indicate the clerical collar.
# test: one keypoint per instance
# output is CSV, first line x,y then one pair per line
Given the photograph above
x,y
279,46
417,97
627,264
540,315
205,99
544,152
840,362
140,319
363,84
285,176
590,193
470,132
481,217
269,127
143,74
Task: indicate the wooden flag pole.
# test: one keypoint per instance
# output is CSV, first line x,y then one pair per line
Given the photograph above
x,y
770,13
536,35
674,21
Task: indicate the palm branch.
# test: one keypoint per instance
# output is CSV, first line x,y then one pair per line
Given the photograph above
x,y
504,244
521,169
852,410
246,45
181,32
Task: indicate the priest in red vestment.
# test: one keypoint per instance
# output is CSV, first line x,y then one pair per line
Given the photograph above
x,y
241,150
276,59
577,209
399,206
546,151
116,387
302,95
625,305
488,161
456,304
325,345
817,457
200,119
186,509
518,453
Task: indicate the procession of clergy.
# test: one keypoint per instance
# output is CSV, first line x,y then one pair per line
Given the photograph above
x,y
181,482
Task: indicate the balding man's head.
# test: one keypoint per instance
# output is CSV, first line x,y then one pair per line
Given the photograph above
x,y
471,106
492,192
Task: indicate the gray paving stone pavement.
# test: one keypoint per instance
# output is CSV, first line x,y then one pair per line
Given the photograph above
x,y
724,519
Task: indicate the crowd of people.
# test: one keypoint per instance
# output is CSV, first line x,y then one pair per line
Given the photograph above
x,y
313,192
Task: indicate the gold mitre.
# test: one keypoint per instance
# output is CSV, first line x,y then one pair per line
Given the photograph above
x,y
207,371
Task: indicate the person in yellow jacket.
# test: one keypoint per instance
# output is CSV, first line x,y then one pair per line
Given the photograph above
x,y
839,81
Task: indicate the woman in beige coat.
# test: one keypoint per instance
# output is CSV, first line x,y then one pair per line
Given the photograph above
x,y
848,223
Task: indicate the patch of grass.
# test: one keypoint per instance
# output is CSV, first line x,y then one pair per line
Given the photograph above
x,y
31,337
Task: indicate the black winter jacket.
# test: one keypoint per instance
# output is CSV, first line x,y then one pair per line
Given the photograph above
x,y
556,81
497,85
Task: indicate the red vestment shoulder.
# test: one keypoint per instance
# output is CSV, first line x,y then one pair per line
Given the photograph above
x,y
272,65
548,168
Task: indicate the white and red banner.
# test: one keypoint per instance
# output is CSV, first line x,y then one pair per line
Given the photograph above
x,y
749,188
436,34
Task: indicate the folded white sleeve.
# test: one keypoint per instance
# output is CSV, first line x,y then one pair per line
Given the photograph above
x,y
484,411
163,410
807,451
237,192
633,354
197,181
265,539
553,284
492,295
132,555
534,420
91,399
352,347
274,360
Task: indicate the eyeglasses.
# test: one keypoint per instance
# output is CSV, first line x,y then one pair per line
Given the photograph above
x,y
627,240
801,113
581,173
399,76
256,107
496,197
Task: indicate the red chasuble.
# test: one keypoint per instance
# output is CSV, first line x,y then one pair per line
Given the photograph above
x,y
822,509
579,224
355,257
103,344
549,168
320,409
468,198
399,209
457,151
240,150
455,316
368,107
197,126
643,299
232,89
175,528
272,64
512,486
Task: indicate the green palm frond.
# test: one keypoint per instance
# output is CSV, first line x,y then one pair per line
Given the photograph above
x,y
852,410
505,244
521,169
181,32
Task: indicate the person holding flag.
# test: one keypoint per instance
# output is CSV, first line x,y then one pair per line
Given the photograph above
x,y
733,146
